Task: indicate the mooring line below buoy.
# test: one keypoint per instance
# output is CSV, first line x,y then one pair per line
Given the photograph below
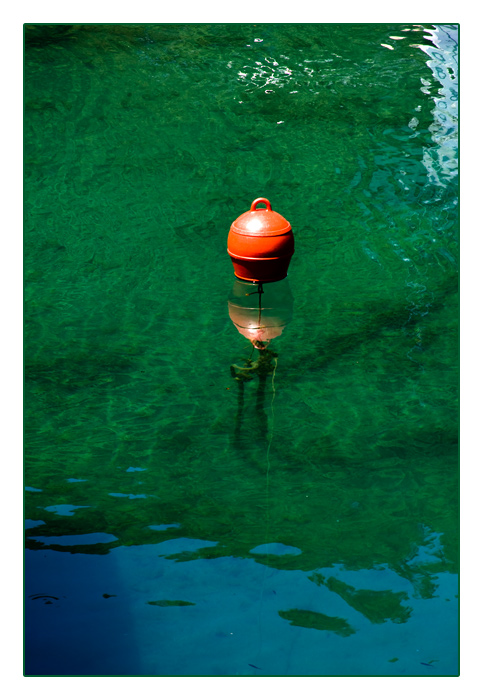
x,y
273,420
267,509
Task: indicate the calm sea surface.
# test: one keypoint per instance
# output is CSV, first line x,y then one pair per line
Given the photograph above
x,y
186,515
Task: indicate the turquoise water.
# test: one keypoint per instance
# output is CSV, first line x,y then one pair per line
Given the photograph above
x,y
187,514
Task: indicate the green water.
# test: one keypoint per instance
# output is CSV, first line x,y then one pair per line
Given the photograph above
x,y
142,144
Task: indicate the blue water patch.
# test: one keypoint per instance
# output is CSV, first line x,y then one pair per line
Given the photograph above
x,y
276,548
235,623
32,489
429,552
129,495
136,469
183,544
163,527
29,524
64,509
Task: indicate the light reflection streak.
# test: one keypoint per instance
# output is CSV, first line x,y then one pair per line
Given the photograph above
x,y
270,73
441,160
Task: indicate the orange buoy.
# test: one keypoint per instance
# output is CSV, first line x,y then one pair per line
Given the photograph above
x,y
260,244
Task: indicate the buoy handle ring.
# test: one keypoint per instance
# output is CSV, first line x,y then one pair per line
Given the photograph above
x,y
260,200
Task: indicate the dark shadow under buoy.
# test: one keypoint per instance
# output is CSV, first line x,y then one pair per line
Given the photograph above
x,y
260,312
261,367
